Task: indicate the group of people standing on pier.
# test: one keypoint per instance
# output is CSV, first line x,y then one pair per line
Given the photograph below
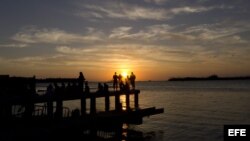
x,y
81,85
118,81
72,87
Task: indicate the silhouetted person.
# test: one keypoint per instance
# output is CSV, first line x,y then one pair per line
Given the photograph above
x,y
115,81
75,113
68,85
68,88
106,88
63,89
127,86
56,88
127,80
120,81
132,80
87,90
122,86
74,88
81,80
49,90
100,87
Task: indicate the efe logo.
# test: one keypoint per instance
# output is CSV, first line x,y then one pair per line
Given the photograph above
x,y
236,132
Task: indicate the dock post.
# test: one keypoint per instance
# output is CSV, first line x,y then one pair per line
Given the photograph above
x,y
127,101
50,95
107,103
117,102
59,108
136,99
92,104
83,103
50,107
59,92
29,106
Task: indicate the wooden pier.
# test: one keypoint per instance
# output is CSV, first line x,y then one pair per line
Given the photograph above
x,y
20,92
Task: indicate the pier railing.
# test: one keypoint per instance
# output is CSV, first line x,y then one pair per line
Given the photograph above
x,y
49,99
39,110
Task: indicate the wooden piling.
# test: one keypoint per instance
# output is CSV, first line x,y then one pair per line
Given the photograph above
x,y
59,109
49,94
93,104
117,102
50,108
107,103
59,105
127,101
29,106
83,103
136,95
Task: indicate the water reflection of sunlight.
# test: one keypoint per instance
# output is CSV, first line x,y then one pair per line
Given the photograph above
x,y
123,101
124,130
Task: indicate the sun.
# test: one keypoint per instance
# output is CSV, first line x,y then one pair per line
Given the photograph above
x,y
124,74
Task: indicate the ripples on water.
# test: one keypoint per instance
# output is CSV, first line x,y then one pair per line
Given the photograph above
x,y
194,110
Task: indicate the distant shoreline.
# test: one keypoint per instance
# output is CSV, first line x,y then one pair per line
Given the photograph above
x,y
212,77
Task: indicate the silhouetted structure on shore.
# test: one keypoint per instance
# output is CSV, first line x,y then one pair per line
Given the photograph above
x,y
212,77
22,110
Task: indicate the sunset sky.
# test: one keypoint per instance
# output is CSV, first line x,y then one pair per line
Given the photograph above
x,y
156,39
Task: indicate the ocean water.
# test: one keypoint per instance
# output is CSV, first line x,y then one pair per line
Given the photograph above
x,y
193,110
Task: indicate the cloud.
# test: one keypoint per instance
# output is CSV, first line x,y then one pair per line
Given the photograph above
x,y
220,32
156,1
136,12
152,33
13,45
188,9
75,51
123,11
118,53
197,9
120,32
54,36
217,33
